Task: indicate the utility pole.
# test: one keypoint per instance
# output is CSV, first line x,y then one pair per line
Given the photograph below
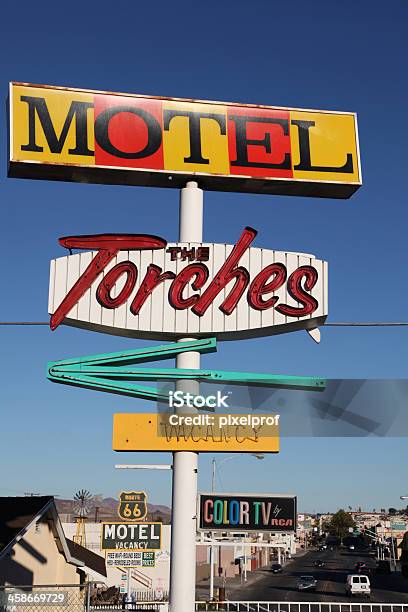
x,y
212,537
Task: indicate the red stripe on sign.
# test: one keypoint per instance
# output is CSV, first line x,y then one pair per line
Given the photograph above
x,y
259,142
123,242
128,132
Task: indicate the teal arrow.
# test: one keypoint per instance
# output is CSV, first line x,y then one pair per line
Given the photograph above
x,y
114,372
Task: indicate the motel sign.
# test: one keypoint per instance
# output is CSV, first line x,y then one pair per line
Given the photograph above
x,y
90,136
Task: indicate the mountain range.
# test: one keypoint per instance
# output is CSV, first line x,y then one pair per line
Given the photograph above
x,y
105,509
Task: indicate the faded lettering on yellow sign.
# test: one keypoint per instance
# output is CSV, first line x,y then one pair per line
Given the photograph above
x,y
153,432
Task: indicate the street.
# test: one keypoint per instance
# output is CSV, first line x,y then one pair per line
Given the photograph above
x,y
330,580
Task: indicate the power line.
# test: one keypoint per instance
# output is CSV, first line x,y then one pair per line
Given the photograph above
x,y
348,324
366,324
24,323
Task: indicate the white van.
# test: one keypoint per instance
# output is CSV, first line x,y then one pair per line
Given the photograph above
x,y
358,584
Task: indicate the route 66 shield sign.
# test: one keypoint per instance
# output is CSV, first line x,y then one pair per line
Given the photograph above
x,y
132,505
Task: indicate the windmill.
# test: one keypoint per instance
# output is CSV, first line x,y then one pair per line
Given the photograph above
x,y
81,508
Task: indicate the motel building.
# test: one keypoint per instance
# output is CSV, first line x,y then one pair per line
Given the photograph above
x,y
34,550
395,530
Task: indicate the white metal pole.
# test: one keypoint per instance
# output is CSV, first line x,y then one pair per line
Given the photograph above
x,y
212,537
394,562
128,587
185,464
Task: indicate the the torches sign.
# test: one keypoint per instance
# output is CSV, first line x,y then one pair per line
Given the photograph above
x,y
143,287
91,136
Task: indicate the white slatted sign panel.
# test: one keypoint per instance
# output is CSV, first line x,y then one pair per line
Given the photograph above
x,y
160,295
267,316
206,321
159,319
84,306
169,314
192,321
120,313
255,265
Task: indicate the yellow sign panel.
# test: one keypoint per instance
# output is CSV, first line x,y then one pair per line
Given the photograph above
x,y
323,156
94,136
252,433
178,146
54,128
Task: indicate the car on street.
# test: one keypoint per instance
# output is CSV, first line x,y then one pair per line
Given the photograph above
x,y
307,583
358,584
319,563
351,547
276,568
323,547
361,568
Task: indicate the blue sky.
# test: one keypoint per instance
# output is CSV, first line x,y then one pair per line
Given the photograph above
x,y
347,56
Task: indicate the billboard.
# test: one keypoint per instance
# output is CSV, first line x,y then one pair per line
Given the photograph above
x,y
399,526
155,432
143,287
136,537
102,137
272,513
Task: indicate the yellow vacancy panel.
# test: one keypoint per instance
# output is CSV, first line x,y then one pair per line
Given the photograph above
x,y
152,432
52,126
195,137
325,146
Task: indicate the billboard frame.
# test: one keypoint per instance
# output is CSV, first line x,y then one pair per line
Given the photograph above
x,y
239,529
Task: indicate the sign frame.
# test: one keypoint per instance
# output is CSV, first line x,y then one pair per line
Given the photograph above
x,y
132,525
123,501
73,298
124,432
125,175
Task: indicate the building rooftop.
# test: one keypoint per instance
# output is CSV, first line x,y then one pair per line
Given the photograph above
x,y
16,513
